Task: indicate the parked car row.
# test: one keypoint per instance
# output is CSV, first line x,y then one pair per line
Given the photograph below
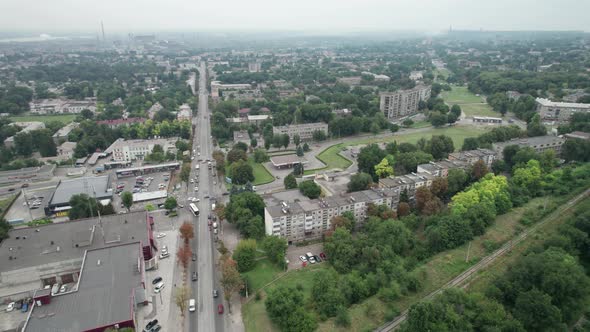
x,y
23,305
311,258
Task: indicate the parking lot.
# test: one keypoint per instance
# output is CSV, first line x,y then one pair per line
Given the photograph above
x,y
293,253
152,182
37,201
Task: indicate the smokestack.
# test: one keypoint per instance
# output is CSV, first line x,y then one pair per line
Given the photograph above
x,y
102,28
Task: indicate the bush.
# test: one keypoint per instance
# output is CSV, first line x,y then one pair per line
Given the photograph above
x,y
490,245
342,317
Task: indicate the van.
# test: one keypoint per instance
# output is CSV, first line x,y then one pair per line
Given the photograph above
x,y
191,305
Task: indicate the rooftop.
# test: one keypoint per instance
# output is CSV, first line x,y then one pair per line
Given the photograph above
x,y
289,159
67,241
578,134
117,122
92,186
549,103
108,282
531,141
65,130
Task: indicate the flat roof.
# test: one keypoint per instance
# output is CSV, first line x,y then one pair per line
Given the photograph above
x,y
108,281
86,185
36,246
289,159
142,168
549,103
140,197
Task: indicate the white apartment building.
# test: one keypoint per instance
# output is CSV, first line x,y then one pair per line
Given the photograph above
x,y
305,131
402,103
137,149
61,106
559,111
539,144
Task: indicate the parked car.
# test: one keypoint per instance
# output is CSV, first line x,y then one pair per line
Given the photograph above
x,y
215,294
156,328
191,305
10,307
159,287
25,307
166,255
25,185
151,324
156,280
323,256
303,259
195,276
63,289
220,309
194,257
160,235
19,304
317,258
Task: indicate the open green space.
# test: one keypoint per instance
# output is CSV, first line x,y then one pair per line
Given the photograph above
x,y
261,174
332,159
254,313
263,273
421,124
471,104
442,73
64,118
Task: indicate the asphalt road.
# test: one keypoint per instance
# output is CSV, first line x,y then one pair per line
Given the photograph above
x,y
206,317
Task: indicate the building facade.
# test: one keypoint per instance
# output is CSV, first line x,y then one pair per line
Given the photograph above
x,y
402,103
137,149
539,144
558,111
305,131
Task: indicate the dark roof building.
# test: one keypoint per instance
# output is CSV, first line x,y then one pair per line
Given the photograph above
x,y
98,187
111,285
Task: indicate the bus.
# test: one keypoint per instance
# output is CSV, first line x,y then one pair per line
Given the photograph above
x,y
194,209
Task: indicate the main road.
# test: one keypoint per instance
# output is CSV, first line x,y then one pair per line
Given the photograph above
x,y
206,317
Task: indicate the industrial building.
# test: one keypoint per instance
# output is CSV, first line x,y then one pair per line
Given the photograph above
x,y
98,187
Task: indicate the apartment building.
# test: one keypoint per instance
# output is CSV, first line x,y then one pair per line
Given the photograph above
x,y
539,143
402,103
185,113
61,106
472,156
305,131
558,111
300,219
137,149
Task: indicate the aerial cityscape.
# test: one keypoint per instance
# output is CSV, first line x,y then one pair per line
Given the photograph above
x,y
331,166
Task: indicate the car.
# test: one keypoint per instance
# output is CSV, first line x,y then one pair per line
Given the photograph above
x,y
19,304
160,235
156,280
194,257
164,248
220,309
10,306
191,305
192,180
164,255
196,188
63,289
156,328
181,206
11,189
159,286
206,196
151,324
25,185
303,259
323,256
195,276
25,307
215,294
214,182
167,212
317,258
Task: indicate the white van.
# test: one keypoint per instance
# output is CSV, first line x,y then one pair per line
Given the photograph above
x,y
191,305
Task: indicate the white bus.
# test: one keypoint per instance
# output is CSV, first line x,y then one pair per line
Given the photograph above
x,y
194,209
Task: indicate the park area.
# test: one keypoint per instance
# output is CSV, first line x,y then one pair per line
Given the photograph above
x,y
471,104
63,118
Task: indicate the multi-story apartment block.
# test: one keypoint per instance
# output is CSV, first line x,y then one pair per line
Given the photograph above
x,y
59,106
402,103
472,156
559,111
305,131
185,113
137,149
304,219
539,143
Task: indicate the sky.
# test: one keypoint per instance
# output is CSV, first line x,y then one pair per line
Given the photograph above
x,y
135,16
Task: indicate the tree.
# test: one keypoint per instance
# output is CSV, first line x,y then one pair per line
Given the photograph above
x,y
170,203
245,255
296,139
231,281
360,181
437,119
241,172
187,232
184,255
290,182
403,209
305,147
470,143
536,313
440,146
285,307
254,143
260,156
298,169
285,139
368,157
310,189
236,154
535,127
439,187
508,154
479,169
456,179
127,199
341,250
181,296
325,293
341,221
83,206
299,151
456,110
23,144
185,173
385,168
407,122
275,248
219,158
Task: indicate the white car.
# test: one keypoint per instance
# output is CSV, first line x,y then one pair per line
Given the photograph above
x,y
159,287
63,288
10,307
190,199
196,199
196,188
192,180
160,235
303,259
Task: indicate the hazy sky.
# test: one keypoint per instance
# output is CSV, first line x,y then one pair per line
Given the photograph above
x,y
316,15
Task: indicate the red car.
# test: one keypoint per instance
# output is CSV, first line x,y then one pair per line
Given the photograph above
x,y
220,309
322,256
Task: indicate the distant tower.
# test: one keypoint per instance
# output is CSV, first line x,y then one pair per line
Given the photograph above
x,y
102,28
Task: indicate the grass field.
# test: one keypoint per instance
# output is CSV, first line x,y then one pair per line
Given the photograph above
x,y
263,273
332,159
261,174
421,124
254,313
469,102
63,118
443,73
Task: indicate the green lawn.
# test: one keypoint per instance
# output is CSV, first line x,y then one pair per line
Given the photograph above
x,y
254,313
332,159
469,102
443,73
421,124
64,118
262,274
261,174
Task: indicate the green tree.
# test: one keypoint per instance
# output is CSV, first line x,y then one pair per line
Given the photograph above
x,y
535,127
536,313
305,147
298,169
185,173
275,248
254,143
296,139
360,181
285,139
23,144
241,172
368,157
325,293
245,255
290,182
236,154
170,203
437,119
310,189
299,151
384,168
407,123
440,146
127,199
341,250
285,307
456,179
470,143
260,156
